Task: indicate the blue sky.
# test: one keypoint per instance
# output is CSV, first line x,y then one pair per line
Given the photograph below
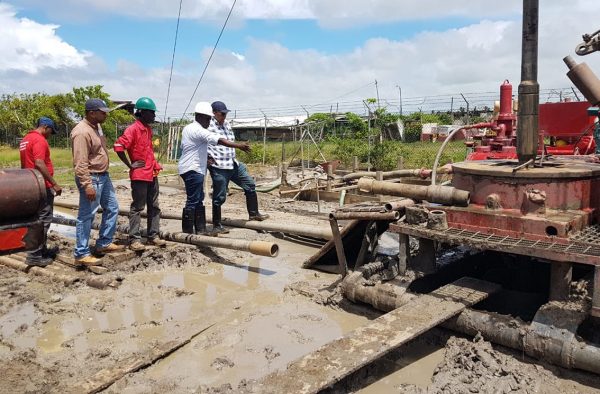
x,y
282,53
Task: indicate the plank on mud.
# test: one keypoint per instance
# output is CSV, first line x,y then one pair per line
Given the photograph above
x,y
337,359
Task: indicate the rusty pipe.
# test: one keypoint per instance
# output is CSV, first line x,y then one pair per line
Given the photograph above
x,y
319,232
21,266
446,195
399,204
499,329
421,173
529,89
261,248
584,78
22,192
391,216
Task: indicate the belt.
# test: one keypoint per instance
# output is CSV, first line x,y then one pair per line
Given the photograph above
x,y
99,173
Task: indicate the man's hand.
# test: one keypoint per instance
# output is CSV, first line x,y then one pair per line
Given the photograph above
x,y
58,190
138,164
90,193
244,146
210,161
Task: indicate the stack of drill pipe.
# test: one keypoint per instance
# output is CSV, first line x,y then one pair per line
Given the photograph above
x,y
373,213
446,195
14,263
261,248
391,211
319,232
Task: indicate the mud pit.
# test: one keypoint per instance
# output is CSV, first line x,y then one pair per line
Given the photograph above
x,y
230,319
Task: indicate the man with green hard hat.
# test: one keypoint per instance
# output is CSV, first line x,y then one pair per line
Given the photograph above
x,y
143,172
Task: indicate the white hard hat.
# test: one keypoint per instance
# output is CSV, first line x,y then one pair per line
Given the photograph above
x,y
203,107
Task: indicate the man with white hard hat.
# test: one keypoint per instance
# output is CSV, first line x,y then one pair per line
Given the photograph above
x,y
192,165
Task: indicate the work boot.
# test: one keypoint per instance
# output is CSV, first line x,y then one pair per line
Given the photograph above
x,y
88,261
137,246
187,221
38,262
156,242
216,219
110,248
200,221
252,205
50,253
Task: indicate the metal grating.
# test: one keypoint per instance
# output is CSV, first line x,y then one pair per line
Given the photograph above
x,y
583,247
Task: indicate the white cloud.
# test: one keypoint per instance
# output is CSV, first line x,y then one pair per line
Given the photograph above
x,y
30,46
267,75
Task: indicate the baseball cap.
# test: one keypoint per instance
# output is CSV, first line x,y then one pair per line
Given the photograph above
x,y
219,106
203,107
45,121
96,104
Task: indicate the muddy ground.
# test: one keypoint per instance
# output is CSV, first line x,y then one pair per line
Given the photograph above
x,y
229,318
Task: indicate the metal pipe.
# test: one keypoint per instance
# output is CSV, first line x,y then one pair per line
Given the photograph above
x,y
446,195
261,248
421,173
529,89
503,330
21,266
319,232
22,191
391,216
584,78
398,205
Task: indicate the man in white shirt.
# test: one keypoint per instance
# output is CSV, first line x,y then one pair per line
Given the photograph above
x,y
192,166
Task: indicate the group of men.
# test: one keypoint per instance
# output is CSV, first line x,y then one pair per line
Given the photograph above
x,y
208,142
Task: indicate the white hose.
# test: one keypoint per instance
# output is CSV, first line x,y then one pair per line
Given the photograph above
x,y
439,154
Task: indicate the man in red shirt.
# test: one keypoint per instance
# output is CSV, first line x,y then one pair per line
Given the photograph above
x,y
143,171
35,153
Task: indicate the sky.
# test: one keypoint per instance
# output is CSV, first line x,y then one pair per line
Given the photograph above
x,y
286,57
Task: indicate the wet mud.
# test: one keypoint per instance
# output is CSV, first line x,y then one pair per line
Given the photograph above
x,y
235,317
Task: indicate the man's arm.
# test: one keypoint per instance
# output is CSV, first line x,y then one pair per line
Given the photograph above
x,y
122,143
41,167
244,146
82,165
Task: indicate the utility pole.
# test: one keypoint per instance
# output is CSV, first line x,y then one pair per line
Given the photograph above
x,y
377,92
264,138
468,118
399,99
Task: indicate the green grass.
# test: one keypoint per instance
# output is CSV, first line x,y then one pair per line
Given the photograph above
x,y
62,161
414,155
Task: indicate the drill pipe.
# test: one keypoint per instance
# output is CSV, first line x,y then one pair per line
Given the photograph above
x,y
499,329
392,216
420,173
446,195
261,248
319,232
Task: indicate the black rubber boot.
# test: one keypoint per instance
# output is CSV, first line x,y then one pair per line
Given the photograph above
x,y
200,221
216,219
187,221
252,205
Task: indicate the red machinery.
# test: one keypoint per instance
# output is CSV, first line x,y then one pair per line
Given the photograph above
x,y
21,193
566,125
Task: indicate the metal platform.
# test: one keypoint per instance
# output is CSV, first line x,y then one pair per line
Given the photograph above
x,y
582,247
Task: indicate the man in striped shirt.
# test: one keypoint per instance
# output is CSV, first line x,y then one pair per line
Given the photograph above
x,y
224,167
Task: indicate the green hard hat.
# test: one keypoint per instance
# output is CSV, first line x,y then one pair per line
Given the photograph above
x,y
145,103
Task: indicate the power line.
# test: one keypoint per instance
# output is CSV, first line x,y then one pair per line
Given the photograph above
x,y
210,57
173,57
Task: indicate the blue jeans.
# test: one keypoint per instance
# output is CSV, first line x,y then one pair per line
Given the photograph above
x,y
194,188
221,177
105,198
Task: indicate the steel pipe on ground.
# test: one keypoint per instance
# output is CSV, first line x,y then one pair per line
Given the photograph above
x,y
392,216
319,232
499,329
421,173
39,271
446,195
261,248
